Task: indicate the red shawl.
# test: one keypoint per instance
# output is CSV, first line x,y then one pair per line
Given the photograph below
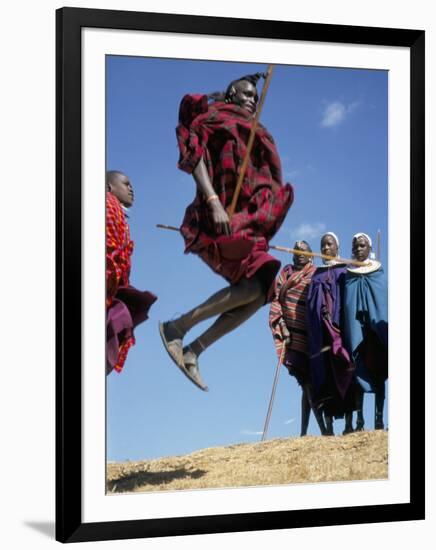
x,y
119,248
218,133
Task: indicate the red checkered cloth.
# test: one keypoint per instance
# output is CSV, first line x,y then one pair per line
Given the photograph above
x,y
219,133
126,306
119,248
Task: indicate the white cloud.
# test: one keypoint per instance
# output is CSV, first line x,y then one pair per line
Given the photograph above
x,y
249,432
308,231
290,421
335,113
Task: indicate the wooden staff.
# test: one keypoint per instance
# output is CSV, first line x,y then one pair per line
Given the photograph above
x,y
378,258
232,207
318,255
289,250
378,244
273,392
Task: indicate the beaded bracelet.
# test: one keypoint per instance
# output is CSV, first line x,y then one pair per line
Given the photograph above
x,y
212,198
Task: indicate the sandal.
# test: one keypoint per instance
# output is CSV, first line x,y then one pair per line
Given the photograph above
x,y
174,346
191,369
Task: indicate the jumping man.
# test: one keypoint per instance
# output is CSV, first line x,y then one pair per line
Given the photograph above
x,y
212,137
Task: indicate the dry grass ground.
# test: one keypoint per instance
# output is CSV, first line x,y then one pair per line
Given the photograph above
x,y
357,456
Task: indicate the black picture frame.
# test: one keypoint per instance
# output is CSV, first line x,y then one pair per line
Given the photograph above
x,y
69,525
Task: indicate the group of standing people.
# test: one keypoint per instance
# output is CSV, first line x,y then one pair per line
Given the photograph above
x,y
330,330
213,135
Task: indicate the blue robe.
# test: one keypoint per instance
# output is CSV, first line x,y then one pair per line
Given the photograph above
x,y
366,326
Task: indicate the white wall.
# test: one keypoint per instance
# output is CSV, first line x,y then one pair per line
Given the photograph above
x,y
27,136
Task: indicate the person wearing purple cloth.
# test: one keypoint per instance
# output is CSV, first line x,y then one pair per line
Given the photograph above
x,y
331,367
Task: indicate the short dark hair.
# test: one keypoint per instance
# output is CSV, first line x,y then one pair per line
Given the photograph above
x,y
111,174
223,96
252,78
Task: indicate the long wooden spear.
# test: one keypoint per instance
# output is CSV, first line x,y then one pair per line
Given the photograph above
x,y
318,255
273,392
289,250
378,244
232,207
378,258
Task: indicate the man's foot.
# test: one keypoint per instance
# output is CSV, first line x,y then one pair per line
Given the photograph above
x,y
360,426
328,426
172,340
379,425
348,428
191,369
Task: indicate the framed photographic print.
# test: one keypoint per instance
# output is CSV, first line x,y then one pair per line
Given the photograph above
x,y
237,201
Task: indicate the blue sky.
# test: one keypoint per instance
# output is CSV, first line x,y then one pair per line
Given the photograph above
x,y
330,128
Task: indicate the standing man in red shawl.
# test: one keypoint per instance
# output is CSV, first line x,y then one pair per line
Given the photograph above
x,y
288,324
126,307
212,138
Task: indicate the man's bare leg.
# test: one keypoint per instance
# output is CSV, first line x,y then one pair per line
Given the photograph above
x,y
305,412
379,404
229,299
328,425
225,323
360,422
319,417
348,423
224,300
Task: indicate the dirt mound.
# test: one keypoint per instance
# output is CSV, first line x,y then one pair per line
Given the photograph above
x,y
357,456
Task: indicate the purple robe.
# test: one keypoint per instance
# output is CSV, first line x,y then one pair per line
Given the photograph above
x,y
128,309
332,371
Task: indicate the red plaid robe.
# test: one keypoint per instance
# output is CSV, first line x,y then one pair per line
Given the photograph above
x,y
119,248
219,133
